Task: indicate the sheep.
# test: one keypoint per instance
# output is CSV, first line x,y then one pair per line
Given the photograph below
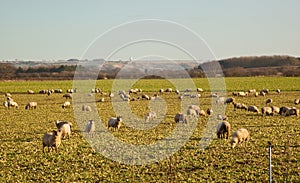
x,y
278,91
267,110
195,107
43,91
292,111
275,109
296,101
192,112
12,103
213,95
68,95
202,113
58,91
179,117
161,90
223,130
209,111
5,103
86,108
241,94
52,140
220,117
64,127
282,110
90,127
239,136
269,100
266,91
239,106
229,100
252,91
150,116
101,99
256,94
8,95
67,104
198,95
30,91
115,123
188,90
177,92
253,108
31,105
199,90
169,90
145,97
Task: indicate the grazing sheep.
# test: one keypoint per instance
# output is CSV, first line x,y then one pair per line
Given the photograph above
x,y
64,127
161,90
223,130
267,110
67,104
30,91
192,112
229,100
269,100
256,94
209,111
275,109
90,127
68,95
188,90
282,110
177,92
86,108
101,99
296,101
115,123
195,107
179,117
12,103
5,104
198,95
239,136
43,91
253,108
239,106
150,116
220,117
58,91
31,105
252,91
278,91
241,94
169,90
292,111
213,95
262,93
52,140
145,97
199,90
202,113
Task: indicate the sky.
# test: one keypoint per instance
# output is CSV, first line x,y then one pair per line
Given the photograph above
x,y
60,30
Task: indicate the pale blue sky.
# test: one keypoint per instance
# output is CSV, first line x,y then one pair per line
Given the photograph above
x,y
53,30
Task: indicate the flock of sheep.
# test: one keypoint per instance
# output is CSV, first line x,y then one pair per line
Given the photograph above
x,y
53,139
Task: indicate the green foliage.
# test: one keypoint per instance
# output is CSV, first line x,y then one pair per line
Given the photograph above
x,y
22,160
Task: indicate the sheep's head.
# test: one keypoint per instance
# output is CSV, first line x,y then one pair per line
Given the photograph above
x,y
119,118
233,142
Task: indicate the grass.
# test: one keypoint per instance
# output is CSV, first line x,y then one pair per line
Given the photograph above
x,y
22,160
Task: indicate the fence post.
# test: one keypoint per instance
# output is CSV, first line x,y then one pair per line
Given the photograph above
x,y
270,162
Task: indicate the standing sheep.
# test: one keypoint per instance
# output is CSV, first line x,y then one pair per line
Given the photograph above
x,y
239,106
67,104
179,117
64,127
292,111
296,101
239,136
253,108
90,127
267,110
31,105
282,110
192,112
115,123
30,91
86,108
52,140
223,130
269,100
150,116
68,95
209,111
229,100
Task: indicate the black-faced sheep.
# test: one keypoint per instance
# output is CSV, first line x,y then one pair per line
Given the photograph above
x,y
90,127
179,117
30,91
68,95
31,105
195,107
239,106
269,100
52,140
64,127
150,116
253,108
223,130
239,136
67,104
267,111
199,90
292,111
115,123
146,97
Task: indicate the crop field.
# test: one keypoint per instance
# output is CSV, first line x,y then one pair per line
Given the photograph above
x,y
21,131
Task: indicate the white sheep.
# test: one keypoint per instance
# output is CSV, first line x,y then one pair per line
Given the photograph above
x,y
179,117
195,107
150,116
221,117
296,101
31,105
223,130
209,111
64,127
169,90
278,91
12,103
267,110
67,104
239,136
30,91
115,123
145,97
275,109
90,127
192,112
52,140
199,90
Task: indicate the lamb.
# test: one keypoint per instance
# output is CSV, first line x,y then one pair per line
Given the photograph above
x,y
239,106
223,130
253,108
115,123
229,100
68,95
296,101
67,104
179,117
52,140
31,105
292,111
90,127
269,100
150,116
239,136
86,108
64,127
58,91
267,110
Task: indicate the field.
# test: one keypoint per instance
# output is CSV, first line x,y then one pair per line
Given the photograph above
x,y
22,159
